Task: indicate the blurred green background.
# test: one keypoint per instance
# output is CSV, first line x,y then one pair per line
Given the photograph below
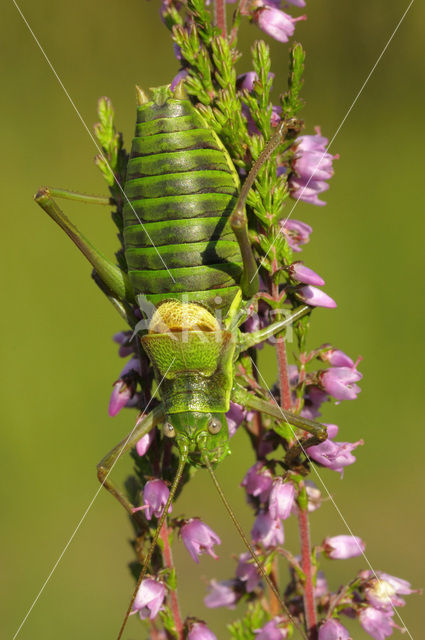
x,y
58,357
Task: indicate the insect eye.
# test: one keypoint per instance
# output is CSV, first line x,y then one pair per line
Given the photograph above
x,y
214,426
168,430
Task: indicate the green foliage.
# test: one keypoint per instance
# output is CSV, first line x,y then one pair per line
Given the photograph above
x,y
244,628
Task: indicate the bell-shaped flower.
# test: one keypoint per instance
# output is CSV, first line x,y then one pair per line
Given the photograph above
x,y
298,271
275,23
142,445
247,572
334,455
199,538
272,630
336,358
155,496
333,630
149,599
295,232
258,481
343,547
376,623
315,297
339,382
267,531
222,594
282,499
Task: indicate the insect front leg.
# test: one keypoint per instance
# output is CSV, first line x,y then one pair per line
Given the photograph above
x,y
318,431
247,340
113,278
146,424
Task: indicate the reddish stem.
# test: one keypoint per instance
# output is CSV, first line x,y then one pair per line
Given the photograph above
x,y
303,522
285,391
168,559
220,16
309,604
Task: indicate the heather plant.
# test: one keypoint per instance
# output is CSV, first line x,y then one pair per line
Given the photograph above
x,y
240,111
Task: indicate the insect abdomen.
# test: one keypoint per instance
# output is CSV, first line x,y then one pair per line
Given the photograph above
x,y
183,188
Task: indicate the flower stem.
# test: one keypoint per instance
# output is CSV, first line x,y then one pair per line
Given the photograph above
x,y
303,521
220,16
168,559
306,565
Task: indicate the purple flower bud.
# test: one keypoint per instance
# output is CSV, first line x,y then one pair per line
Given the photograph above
x,y
315,298
272,630
376,623
343,547
235,416
199,538
339,382
336,358
180,75
334,455
248,572
276,23
149,599
296,233
267,531
122,338
222,594
258,481
145,442
155,496
333,630
282,498
200,631
298,271
121,394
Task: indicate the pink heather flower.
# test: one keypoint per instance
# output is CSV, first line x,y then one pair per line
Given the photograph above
x,y
321,588
267,531
222,594
121,394
336,358
376,623
298,271
339,382
307,190
200,631
333,630
142,445
199,538
235,416
258,481
296,3
271,630
296,233
334,455
247,572
343,547
282,498
315,297
155,496
149,599
124,388
383,593
276,23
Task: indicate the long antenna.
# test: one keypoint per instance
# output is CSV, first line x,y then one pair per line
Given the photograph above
x,y
182,462
250,548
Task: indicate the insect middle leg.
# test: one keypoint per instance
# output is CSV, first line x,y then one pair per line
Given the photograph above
x,y
146,424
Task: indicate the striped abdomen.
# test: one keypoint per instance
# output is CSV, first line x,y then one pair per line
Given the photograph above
x,y
183,187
